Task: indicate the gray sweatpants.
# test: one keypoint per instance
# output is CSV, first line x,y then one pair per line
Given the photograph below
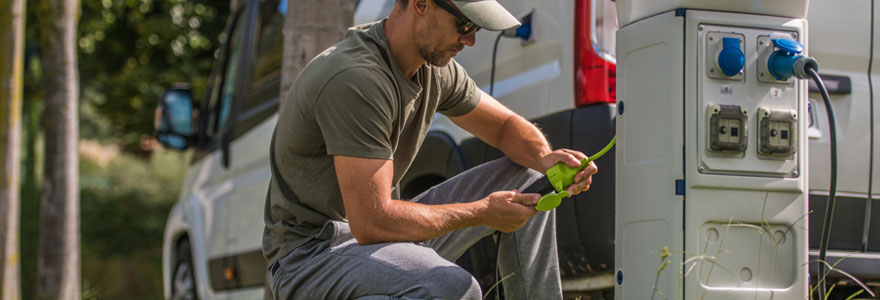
x,y
335,266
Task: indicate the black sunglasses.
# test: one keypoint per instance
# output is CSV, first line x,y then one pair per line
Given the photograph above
x,y
465,25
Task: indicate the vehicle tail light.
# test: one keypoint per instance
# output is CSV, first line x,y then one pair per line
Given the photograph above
x,y
595,68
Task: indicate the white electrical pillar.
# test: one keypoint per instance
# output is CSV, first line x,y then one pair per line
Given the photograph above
x,y
711,151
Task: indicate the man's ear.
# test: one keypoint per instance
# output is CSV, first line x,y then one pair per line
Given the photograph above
x,y
420,6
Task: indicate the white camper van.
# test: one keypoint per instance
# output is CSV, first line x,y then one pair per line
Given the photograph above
x,y
562,77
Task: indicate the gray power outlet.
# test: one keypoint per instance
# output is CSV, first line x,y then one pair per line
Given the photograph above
x,y
728,128
777,133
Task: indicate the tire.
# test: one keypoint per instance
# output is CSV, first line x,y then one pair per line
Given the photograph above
x,y
183,282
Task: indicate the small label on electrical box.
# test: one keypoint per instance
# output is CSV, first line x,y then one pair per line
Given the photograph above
x,y
775,93
726,90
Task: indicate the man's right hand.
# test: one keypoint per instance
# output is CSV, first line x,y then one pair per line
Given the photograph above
x,y
508,211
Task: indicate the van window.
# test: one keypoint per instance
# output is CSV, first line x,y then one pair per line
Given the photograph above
x,y
222,81
228,91
267,62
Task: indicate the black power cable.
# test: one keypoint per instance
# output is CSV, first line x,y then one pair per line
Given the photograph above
x,y
832,188
492,73
497,233
523,32
870,199
497,267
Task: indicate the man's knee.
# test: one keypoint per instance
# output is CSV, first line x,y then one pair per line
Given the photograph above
x,y
518,176
452,282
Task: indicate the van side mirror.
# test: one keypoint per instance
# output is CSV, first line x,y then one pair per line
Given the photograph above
x,y
174,117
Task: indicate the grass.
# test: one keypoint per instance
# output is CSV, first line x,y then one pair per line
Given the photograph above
x,y
124,202
488,292
833,268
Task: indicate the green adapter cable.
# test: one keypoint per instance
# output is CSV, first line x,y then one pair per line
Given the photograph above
x,y
553,187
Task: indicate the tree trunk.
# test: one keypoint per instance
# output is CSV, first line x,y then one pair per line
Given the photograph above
x,y
310,27
11,64
59,259
233,5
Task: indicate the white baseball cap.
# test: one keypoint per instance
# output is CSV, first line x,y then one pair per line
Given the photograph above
x,y
488,14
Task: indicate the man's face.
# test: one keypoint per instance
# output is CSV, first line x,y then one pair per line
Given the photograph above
x,y
440,39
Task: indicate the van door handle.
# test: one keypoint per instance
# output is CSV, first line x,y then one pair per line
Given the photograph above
x,y
836,85
814,133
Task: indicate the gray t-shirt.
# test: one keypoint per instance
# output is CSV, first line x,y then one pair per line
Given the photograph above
x,y
351,100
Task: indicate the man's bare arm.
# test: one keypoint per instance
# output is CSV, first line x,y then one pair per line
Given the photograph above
x,y
375,217
520,140
500,127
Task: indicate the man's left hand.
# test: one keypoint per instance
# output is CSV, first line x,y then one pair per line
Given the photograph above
x,y
572,158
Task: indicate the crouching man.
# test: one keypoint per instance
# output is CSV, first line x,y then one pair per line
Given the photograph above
x,y
347,132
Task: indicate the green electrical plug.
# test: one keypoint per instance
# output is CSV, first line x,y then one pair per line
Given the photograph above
x,y
561,176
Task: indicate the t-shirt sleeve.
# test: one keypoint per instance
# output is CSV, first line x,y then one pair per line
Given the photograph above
x,y
463,94
355,113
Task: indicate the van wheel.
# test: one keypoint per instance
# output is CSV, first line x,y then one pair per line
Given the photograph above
x,y
183,286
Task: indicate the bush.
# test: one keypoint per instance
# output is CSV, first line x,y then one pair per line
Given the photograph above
x,y
124,206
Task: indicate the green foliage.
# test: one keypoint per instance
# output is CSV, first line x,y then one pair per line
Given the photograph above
x,y
30,197
124,206
30,170
130,50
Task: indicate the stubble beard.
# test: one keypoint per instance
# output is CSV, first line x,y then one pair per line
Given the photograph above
x,y
432,55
